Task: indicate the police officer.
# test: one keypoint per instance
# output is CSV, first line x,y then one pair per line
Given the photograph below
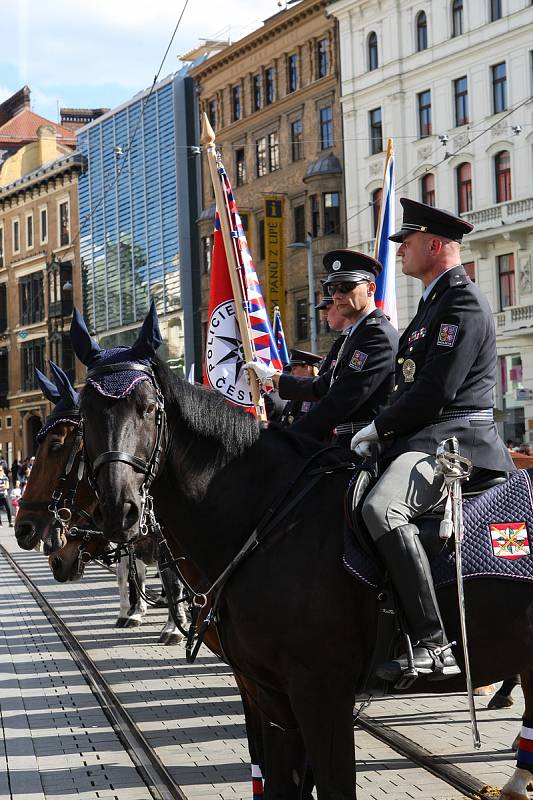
x,y
445,376
336,322
301,365
350,393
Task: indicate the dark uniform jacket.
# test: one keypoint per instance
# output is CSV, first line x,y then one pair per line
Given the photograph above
x,y
362,380
446,364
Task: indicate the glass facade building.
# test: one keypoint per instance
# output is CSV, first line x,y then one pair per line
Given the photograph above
x,y
131,213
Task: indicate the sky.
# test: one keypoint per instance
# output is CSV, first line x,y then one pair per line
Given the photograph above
x,y
99,54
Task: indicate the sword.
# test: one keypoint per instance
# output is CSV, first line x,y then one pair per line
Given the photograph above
x,y
455,469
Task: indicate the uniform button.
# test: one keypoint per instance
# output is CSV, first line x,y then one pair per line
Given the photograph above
x,y
401,360
395,388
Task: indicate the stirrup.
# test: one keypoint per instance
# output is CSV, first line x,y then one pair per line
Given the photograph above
x,y
409,675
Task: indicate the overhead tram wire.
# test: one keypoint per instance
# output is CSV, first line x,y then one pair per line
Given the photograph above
x,y
128,147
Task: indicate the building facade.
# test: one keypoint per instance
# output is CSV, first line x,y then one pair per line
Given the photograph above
x,y
452,83
273,101
131,197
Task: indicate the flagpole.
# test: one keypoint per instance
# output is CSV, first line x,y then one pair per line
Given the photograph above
x,y
208,141
390,148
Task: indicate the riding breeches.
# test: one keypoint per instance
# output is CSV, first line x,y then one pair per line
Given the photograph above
x,y
407,488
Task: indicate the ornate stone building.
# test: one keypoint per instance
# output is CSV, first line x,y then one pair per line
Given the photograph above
x,y
273,100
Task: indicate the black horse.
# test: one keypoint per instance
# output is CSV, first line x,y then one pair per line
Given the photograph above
x,y
290,617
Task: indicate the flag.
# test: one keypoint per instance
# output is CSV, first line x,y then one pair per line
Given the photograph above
x,y
224,356
279,336
385,250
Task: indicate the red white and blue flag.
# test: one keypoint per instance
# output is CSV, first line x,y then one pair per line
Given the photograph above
x,y
224,356
279,336
385,250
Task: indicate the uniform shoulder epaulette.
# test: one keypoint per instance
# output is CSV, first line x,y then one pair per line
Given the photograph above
x,y
374,321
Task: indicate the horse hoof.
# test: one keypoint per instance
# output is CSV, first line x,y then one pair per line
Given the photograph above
x,y
484,691
173,639
121,622
131,622
500,701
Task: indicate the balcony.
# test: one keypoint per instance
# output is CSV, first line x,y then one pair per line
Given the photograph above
x,y
511,213
514,318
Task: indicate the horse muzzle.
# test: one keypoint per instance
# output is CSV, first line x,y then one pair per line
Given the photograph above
x,y
26,534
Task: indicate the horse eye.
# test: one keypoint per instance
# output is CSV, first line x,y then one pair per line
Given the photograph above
x,y
149,408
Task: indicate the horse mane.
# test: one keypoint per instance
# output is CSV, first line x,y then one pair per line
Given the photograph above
x,y
207,414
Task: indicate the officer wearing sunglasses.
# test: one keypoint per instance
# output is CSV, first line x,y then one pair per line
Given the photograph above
x,y
346,397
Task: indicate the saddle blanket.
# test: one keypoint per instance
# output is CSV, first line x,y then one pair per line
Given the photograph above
x,y
498,539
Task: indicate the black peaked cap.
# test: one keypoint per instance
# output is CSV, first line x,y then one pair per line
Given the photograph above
x,y
421,217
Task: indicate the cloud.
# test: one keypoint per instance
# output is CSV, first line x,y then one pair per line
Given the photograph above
x,y
64,48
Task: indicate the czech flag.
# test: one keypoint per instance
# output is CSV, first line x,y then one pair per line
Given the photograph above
x,y
279,336
385,250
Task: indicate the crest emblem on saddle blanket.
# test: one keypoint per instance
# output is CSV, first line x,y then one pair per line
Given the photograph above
x,y
509,539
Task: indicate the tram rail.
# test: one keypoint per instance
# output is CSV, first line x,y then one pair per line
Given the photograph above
x,y
154,773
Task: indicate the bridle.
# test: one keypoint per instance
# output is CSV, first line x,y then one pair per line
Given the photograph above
x,y
149,468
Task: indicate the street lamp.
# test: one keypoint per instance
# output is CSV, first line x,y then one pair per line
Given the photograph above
x,y
308,244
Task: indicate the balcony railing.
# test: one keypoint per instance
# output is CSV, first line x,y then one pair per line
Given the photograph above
x,y
501,214
514,318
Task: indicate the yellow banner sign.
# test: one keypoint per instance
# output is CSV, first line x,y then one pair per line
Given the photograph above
x,y
275,268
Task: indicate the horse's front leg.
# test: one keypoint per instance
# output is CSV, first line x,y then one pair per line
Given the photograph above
x,y
132,606
171,633
516,787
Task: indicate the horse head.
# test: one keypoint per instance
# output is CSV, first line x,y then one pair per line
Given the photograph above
x,y
55,470
123,415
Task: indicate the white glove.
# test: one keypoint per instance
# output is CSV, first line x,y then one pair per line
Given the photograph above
x,y
264,372
363,440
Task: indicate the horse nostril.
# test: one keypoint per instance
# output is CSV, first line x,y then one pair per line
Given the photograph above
x,y
131,515
25,534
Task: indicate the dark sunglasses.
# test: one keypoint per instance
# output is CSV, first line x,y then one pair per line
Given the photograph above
x,y
343,287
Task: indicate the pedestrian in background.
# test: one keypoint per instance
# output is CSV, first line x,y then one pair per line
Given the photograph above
x,y
4,499
15,472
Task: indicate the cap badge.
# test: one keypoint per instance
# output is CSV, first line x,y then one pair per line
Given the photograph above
x,y
336,265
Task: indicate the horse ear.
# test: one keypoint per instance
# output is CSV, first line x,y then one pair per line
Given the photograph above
x,y
66,389
47,387
150,336
83,344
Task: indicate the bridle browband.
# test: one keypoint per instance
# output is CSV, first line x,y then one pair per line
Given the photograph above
x,y
149,468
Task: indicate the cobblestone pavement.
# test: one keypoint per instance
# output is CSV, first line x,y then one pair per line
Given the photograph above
x,y
55,741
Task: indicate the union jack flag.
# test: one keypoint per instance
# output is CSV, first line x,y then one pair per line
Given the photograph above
x,y
224,357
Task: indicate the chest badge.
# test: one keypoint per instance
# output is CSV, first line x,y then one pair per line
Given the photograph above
x,y
409,369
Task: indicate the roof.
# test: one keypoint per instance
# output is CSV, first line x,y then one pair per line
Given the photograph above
x,y
325,165
22,128
64,163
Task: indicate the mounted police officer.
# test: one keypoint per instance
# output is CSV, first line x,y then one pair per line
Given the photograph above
x,y
301,365
336,322
445,376
351,392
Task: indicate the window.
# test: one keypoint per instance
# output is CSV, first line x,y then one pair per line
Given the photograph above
x,y
3,307
506,280
421,31
256,92
460,90
261,240
236,103
244,220
59,279
297,144
16,236
377,194
260,157
212,113
299,223
499,87
31,357
273,151
1,247
322,60
64,226
495,10
29,231
376,133
427,185
9,422
301,319
31,298
424,113
326,127
240,166
4,377
502,172
315,215
43,216
457,17
292,77
206,254
332,213
470,269
372,51
61,352
464,187
269,86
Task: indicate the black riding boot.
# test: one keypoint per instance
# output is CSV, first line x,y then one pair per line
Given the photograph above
x,y
409,569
